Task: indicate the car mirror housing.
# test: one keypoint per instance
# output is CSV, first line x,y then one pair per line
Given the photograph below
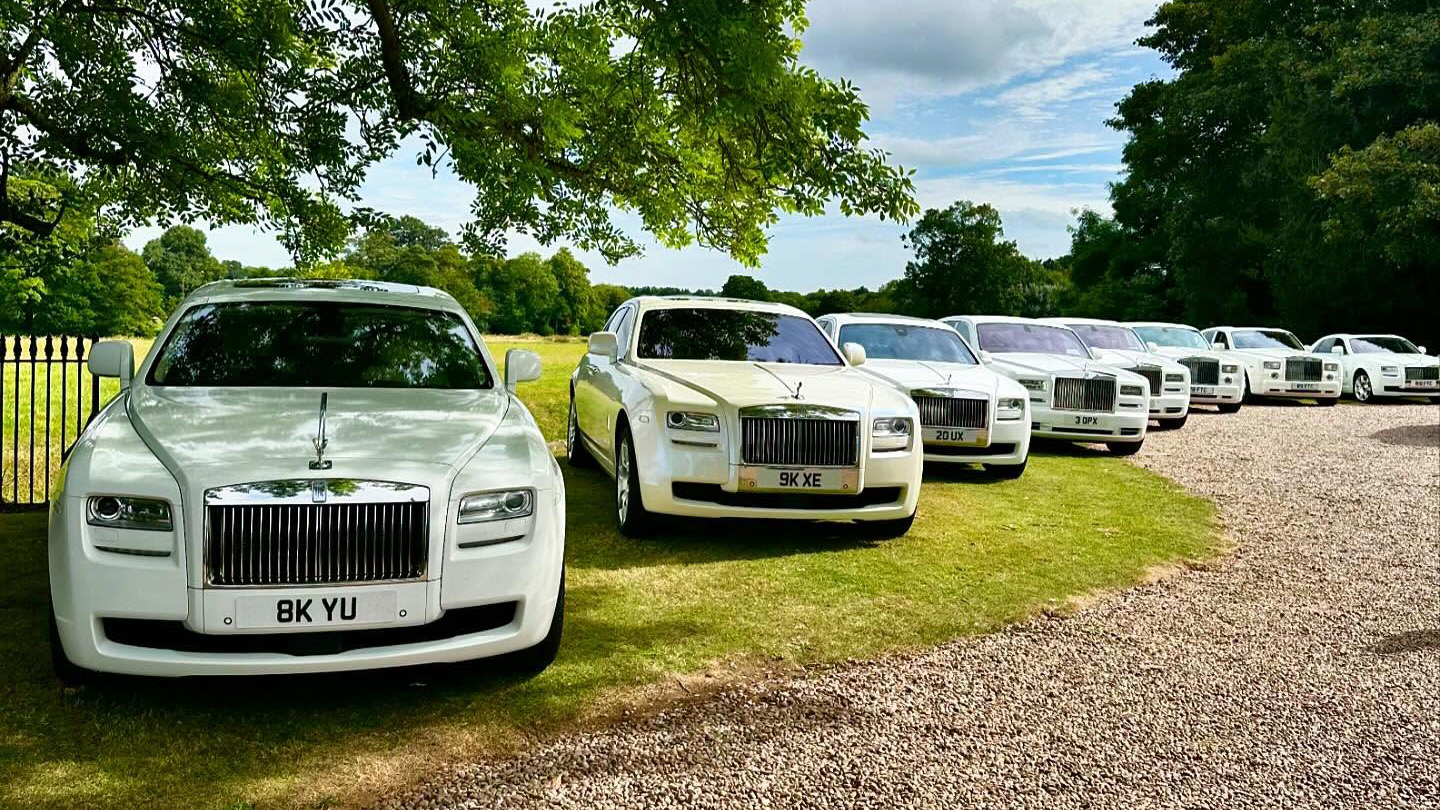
x,y
985,356
521,365
113,358
1095,354
605,344
854,354
1337,350
1422,349
1218,346
1152,346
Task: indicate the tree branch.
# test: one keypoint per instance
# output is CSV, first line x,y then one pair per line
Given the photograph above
x,y
409,104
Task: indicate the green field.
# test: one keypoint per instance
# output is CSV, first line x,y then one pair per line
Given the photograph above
x,y
715,601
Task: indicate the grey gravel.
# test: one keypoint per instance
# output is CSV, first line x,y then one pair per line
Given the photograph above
x,y
1303,670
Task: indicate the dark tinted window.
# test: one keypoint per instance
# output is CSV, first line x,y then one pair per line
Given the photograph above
x,y
1104,336
893,341
319,344
1030,337
733,334
1266,339
1180,337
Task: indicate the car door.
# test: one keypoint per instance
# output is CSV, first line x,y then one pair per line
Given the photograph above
x,y
594,389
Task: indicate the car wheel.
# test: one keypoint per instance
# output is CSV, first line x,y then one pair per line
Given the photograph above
x,y
1328,402
575,451
1247,396
1008,472
1174,424
1229,407
1124,448
888,529
65,671
535,660
1363,390
630,510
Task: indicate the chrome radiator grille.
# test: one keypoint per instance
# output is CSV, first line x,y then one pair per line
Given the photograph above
x,y
1154,375
1094,394
1302,369
315,544
1202,371
953,412
1422,372
799,442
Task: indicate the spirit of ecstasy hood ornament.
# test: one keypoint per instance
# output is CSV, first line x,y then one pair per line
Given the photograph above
x,y
321,441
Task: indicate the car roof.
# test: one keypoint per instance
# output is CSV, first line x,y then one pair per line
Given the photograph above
x,y
712,302
1134,324
353,290
1093,321
1004,319
881,317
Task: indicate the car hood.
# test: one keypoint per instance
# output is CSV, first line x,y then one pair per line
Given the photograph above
x,y
1045,365
1177,353
912,374
1272,354
273,429
1400,359
1125,358
741,383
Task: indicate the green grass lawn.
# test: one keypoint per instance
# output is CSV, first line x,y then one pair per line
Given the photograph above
x,y
720,598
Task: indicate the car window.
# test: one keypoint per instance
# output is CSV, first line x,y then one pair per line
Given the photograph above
x,y
623,328
1381,344
614,319
891,341
706,333
1105,336
1030,337
1266,339
1218,337
963,328
1324,346
1179,337
315,344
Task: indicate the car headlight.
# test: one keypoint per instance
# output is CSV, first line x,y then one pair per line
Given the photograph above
x,y
1272,365
891,433
687,420
1389,371
1132,390
119,512
1033,385
1332,366
1009,410
499,505
1174,378
1230,368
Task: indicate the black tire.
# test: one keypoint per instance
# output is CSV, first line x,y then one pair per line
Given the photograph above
x,y
65,671
887,529
1124,448
630,512
576,453
1175,424
1362,383
1328,402
1229,407
1247,396
534,660
1009,472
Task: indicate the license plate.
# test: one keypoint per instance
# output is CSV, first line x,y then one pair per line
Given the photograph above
x,y
1425,383
799,479
1299,386
969,437
1202,390
315,610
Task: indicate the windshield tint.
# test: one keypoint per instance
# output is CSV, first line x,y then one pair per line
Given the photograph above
x,y
703,333
1266,339
1108,337
1030,337
1382,344
1181,337
893,341
319,344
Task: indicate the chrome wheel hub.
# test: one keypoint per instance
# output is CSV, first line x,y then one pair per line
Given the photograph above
x,y
622,480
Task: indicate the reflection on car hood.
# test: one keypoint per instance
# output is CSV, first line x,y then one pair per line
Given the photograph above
x,y
1177,353
1043,365
910,374
742,383
1272,354
1126,358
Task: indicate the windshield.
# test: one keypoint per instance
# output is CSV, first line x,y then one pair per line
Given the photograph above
x,y
1181,337
1108,337
1266,339
1382,344
1030,337
705,333
319,344
893,341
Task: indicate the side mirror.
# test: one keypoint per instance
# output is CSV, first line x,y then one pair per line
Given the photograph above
x,y
985,357
1218,346
113,358
605,344
1337,349
521,365
1422,349
1095,354
1152,346
854,354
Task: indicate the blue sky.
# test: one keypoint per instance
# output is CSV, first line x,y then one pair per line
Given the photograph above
x,y
998,101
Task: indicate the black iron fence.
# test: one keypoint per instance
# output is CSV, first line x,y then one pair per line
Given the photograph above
x,y
47,397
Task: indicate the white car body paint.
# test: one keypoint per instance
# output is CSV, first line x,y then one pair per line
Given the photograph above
x,y
186,446
1228,387
691,473
1125,423
1387,374
999,442
1282,378
1170,399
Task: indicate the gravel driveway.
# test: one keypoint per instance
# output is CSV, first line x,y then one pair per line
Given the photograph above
x,y
1304,671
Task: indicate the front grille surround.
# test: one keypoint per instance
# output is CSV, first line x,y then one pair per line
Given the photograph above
x,y
1422,373
1154,375
1085,394
951,411
318,532
1303,369
1203,370
799,436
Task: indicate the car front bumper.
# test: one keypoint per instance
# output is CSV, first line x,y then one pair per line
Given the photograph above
x,y
1009,445
1170,405
1125,425
1273,387
140,615
1216,394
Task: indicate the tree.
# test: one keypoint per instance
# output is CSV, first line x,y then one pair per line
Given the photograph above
x,y
747,287
575,303
109,292
523,290
408,251
1114,273
181,261
963,264
694,114
608,298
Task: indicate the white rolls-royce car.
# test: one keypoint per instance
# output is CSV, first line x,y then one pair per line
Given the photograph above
x,y
1073,396
306,477
713,407
1214,378
1274,363
1381,366
968,413
1117,344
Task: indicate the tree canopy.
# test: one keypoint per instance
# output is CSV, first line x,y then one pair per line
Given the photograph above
x,y
694,115
963,264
